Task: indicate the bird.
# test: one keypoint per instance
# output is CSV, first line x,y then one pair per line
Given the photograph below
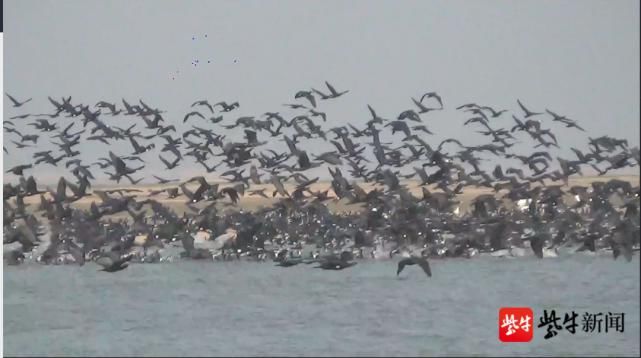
x,y
318,114
16,103
409,114
194,113
226,239
164,181
413,260
333,262
333,92
14,257
18,169
392,213
203,103
169,165
289,262
227,107
112,262
536,244
526,111
308,95
432,95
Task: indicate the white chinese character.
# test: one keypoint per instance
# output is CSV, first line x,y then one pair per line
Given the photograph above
x,y
525,323
510,322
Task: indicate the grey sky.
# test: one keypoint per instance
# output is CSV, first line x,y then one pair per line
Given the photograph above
x,y
578,58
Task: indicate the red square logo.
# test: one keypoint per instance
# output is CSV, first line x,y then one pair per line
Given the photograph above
x,y
516,324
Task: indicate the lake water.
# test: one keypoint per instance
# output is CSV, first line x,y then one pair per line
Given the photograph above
x,y
245,308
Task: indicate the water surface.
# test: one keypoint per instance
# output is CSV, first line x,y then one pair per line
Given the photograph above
x,y
245,308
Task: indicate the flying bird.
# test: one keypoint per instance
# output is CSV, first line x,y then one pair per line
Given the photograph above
x,y
527,112
333,93
194,113
413,260
112,262
16,103
432,95
307,95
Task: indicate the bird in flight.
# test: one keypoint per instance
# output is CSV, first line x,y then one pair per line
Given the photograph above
x,y
112,262
527,112
413,260
16,103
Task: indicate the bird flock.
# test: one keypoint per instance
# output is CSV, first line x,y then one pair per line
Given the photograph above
x,y
299,227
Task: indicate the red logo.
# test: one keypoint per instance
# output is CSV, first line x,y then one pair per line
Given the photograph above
x,y
515,324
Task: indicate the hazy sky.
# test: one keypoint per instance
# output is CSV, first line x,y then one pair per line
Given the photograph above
x,y
578,58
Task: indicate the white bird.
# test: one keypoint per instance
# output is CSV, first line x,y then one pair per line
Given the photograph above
x,y
202,240
523,204
226,239
500,253
550,252
201,236
518,251
140,240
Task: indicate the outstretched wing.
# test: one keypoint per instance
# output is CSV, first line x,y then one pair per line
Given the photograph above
x,y
15,102
105,261
27,237
188,242
122,260
402,264
232,193
424,265
536,243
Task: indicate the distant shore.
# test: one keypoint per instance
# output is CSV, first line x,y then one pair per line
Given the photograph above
x,y
251,203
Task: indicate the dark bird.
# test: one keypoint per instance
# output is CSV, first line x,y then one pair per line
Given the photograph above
x,y
288,263
569,123
169,165
318,114
14,257
227,107
422,128
20,145
413,261
421,107
536,244
410,114
17,103
375,117
333,93
333,262
295,106
164,181
526,111
112,262
399,126
43,125
494,112
18,169
260,192
194,113
308,95
204,103
432,95
231,193
556,117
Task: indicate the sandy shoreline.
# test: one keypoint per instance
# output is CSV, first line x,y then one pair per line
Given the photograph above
x,y
248,202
